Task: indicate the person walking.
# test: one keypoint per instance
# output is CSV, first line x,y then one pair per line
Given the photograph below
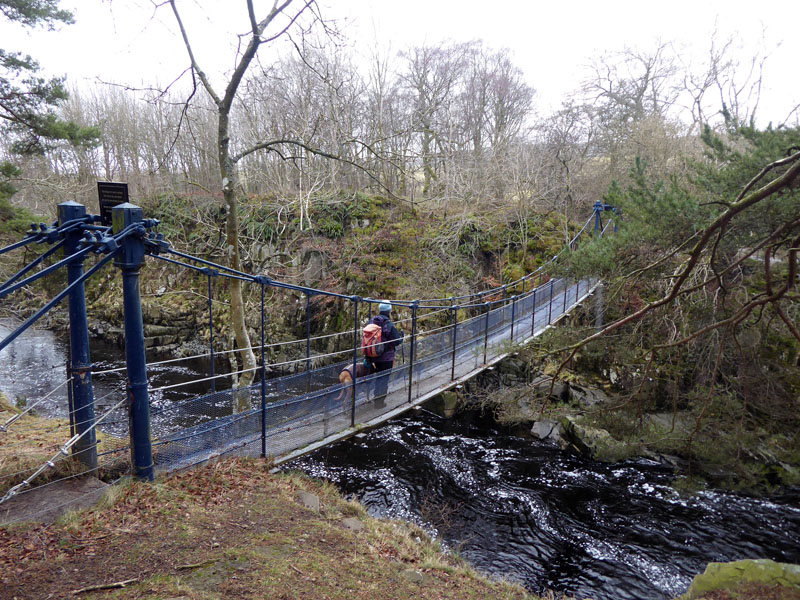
x,y
391,338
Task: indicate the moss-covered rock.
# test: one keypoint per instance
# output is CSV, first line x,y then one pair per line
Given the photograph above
x,y
729,576
592,441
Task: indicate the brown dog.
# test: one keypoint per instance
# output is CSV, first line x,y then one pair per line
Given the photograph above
x,y
346,377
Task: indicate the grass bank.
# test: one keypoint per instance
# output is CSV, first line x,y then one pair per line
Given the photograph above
x,y
232,530
29,442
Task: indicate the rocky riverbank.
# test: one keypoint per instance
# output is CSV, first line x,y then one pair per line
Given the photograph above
x,y
588,415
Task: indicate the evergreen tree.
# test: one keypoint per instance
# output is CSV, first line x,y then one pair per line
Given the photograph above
x,y
27,100
703,308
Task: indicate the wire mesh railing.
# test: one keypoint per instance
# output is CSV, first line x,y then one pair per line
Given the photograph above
x,y
306,408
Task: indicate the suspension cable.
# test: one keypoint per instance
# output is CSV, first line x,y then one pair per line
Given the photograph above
x,y
19,244
64,450
57,298
4,427
32,264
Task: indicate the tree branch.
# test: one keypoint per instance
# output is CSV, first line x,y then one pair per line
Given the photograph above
x,y
105,586
786,179
200,73
273,145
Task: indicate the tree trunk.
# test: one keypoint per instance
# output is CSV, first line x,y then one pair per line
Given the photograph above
x,y
228,173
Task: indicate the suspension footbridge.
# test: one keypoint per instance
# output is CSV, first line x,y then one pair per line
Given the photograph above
x,y
447,341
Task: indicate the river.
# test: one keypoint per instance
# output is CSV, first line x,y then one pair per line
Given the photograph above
x,y
512,506
523,509
35,364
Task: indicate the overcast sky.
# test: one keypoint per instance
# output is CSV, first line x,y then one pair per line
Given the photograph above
x,y
125,41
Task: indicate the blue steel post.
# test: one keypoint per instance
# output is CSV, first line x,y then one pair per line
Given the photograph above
x,y
412,352
550,307
598,210
533,313
355,360
454,320
81,365
130,261
263,384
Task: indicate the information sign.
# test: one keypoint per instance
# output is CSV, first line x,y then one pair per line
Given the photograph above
x,y
110,195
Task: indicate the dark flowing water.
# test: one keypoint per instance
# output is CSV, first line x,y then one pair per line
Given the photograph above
x,y
512,506
32,366
35,364
525,510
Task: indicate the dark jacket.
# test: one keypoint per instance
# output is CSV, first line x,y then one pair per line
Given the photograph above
x,y
390,337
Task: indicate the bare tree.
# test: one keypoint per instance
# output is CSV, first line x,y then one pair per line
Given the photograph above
x,y
431,76
632,84
387,121
282,17
723,87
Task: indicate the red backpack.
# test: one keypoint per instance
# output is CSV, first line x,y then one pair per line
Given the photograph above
x,y
372,341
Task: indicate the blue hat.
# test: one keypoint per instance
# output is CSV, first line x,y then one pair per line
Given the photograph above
x,y
384,307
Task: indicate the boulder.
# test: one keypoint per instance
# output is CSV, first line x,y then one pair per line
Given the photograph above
x,y
729,576
309,500
587,397
352,524
561,390
527,413
414,576
316,267
157,330
591,441
777,471
680,423
514,368
547,430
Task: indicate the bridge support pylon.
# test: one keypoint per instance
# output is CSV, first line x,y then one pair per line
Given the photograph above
x,y
80,364
129,260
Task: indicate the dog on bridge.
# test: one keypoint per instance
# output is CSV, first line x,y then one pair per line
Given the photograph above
x,y
363,368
